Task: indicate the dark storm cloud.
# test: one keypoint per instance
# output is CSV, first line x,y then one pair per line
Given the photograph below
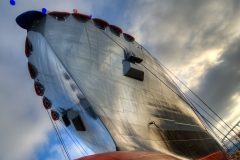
x,y
221,82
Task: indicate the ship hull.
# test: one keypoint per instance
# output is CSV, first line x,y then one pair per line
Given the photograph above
x,y
81,67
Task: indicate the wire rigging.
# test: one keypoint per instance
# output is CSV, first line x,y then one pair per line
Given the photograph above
x,y
197,97
187,97
59,138
194,109
192,105
175,85
69,157
169,137
172,80
206,112
74,141
206,120
213,126
210,127
187,102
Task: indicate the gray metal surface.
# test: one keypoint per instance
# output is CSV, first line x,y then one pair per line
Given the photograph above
x,y
66,95
108,101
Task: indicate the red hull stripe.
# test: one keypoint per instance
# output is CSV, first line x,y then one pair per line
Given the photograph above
x,y
131,38
101,21
116,28
129,155
81,15
59,13
219,155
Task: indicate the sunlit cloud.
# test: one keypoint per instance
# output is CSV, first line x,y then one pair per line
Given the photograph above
x,y
194,39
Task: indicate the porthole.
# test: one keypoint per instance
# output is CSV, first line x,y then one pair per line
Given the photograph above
x,y
100,23
116,30
46,103
82,17
128,37
39,88
28,48
32,70
55,115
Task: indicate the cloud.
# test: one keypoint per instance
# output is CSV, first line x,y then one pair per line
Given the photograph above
x,y
24,124
184,33
73,147
196,40
220,86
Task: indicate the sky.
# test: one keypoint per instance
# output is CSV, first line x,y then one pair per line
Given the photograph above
x,y
197,40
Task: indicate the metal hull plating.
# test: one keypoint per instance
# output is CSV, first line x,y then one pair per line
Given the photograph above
x,y
92,59
65,95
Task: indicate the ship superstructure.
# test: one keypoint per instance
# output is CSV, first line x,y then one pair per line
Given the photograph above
x,y
108,90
